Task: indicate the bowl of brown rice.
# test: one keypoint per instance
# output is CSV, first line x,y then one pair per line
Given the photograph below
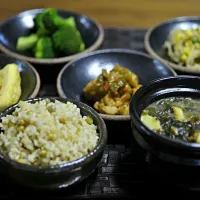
x,y
51,143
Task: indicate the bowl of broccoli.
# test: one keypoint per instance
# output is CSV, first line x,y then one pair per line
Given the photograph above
x,y
49,36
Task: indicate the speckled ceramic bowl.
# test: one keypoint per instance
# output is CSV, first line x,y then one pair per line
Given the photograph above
x,y
158,34
76,74
58,176
21,24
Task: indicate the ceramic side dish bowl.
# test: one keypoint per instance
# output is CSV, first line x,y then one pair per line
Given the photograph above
x,y
164,147
21,25
76,74
158,34
62,175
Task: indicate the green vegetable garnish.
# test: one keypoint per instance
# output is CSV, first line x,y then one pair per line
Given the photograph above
x,y
53,36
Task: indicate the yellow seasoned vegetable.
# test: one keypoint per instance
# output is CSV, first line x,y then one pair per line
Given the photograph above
x,y
151,122
113,90
179,115
197,134
183,47
111,110
10,86
174,130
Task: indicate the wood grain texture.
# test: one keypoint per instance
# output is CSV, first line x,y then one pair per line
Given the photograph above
x,y
126,13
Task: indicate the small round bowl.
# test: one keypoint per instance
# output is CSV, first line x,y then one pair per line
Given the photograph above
x,y
157,35
76,74
163,147
58,176
30,79
21,25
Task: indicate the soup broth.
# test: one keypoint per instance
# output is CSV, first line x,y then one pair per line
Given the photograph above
x,y
175,117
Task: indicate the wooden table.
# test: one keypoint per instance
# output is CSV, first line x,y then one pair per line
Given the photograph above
x,y
129,13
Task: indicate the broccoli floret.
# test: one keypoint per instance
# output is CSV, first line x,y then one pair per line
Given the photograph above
x,y
44,48
68,40
39,25
53,21
70,22
26,42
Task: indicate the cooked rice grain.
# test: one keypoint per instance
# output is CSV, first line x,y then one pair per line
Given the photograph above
x,y
47,133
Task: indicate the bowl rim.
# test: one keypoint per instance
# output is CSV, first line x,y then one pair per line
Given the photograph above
x,y
104,51
151,51
67,166
148,132
51,61
36,89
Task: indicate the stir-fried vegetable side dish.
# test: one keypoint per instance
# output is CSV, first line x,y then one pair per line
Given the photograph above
x,y
175,117
113,90
53,36
183,47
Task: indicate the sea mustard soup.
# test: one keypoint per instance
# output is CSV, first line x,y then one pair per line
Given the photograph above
x,y
175,117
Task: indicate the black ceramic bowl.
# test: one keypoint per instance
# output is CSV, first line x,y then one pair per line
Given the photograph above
x,y
58,176
157,35
76,74
22,24
30,79
163,147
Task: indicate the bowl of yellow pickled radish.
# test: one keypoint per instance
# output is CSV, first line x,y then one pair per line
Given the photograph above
x,y
18,81
176,43
107,80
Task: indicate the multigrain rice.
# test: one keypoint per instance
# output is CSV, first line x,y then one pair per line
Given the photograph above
x,y
47,133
